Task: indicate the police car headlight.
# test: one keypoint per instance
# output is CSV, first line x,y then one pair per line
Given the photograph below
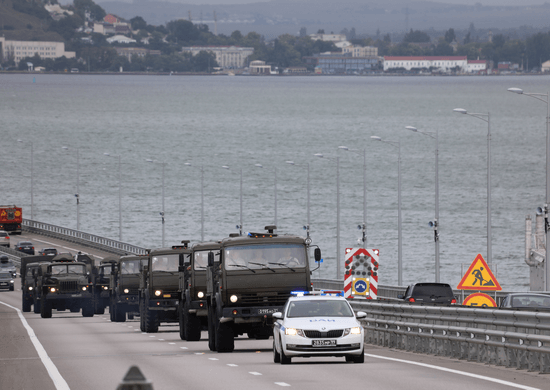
x,y
126,291
158,292
294,332
200,294
354,330
233,298
52,289
84,288
12,281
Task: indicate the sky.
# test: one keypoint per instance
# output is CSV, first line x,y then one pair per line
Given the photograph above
x,y
467,2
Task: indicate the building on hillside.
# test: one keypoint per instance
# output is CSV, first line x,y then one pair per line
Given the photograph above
x,y
545,66
361,51
336,63
476,66
259,67
229,57
295,70
112,19
328,37
56,12
17,50
128,52
342,44
120,39
104,28
438,63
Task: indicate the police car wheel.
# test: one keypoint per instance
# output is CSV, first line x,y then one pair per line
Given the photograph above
x,y
276,355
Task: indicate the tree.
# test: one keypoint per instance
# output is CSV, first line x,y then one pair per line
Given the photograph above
x,y
498,41
450,35
303,32
204,61
321,31
443,49
182,31
236,36
416,36
467,38
138,23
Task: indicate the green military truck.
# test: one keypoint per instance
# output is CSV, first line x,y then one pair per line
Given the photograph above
x,y
66,284
124,287
159,288
193,315
249,280
102,283
30,295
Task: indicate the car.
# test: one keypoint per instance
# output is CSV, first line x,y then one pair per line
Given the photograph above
x,y
318,324
429,293
49,252
25,247
4,238
7,265
6,280
527,301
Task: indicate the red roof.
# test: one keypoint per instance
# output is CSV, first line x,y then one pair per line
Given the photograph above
x,y
426,58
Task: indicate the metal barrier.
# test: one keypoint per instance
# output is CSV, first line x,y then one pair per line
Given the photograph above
x,y
81,238
510,338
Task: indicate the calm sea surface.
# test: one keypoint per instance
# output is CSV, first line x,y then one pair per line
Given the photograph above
x,y
243,121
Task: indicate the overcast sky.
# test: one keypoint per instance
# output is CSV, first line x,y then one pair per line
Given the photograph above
x,y
469,2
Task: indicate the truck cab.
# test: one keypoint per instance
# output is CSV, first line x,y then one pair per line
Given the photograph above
x,y
102,284
124,287
29,281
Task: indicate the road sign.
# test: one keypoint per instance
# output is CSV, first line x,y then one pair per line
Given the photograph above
x,y
479,277
479,300
360,286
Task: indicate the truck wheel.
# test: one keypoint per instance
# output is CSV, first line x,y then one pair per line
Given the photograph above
x,y
98,306
118,314
193,326
151,320
211,329
225,340
130,316
181,319
36,305
26,306
88,308
46,309
141,317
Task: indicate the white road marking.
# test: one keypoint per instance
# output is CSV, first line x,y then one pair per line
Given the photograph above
x,y
151,336
255,373
213,359
136,330
172,343
283,384
233,365
199,353
183,347
58,381
161,339
486,378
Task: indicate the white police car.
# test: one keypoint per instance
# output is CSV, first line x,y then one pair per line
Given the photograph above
x,y
317,325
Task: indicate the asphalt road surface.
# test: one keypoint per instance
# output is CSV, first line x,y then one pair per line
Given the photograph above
x,y
69,351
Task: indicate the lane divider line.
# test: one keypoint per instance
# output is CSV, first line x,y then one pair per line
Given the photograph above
x,y
486,378
283,384
255,373
58,381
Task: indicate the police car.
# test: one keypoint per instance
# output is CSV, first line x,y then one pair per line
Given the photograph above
x,y
321,324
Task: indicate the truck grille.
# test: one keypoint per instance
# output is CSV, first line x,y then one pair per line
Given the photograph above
x,y
68,286
266,299
315,334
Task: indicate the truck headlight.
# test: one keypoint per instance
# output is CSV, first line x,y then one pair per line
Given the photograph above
x,y
158,292
30,288
84,288
105,287
126,291
200,294
233,298
52,289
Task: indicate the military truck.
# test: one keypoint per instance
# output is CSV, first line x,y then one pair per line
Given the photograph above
x,y
193,314
249,280
29,274
64,284
159,287
124,287
102,283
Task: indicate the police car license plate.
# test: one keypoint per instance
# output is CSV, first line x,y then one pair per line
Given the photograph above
x,y
324,343
267,311
3,283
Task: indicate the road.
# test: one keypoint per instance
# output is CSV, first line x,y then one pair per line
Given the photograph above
x,y
70,351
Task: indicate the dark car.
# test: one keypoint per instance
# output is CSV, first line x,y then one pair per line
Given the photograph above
x,y
527,301
429,293
25,247
49,252
6,280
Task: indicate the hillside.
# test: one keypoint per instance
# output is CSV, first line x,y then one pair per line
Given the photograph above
x,y
30,25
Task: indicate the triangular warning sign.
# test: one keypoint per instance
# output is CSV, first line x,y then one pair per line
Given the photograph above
x,y
479,277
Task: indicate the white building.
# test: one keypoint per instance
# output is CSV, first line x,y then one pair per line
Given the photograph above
x,y
328,37
440,63
475,66
121,39
229,57
17,50
360,51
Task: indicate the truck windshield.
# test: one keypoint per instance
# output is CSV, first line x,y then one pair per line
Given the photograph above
x,y
63,269
130,267
274,256
200,260
167,263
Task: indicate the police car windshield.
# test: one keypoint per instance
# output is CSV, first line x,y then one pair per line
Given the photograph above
x,y
167,263
265,256
319,308
63,269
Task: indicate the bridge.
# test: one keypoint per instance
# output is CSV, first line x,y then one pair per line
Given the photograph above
x,y
408,346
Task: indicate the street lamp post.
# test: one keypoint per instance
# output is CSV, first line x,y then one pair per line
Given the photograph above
x,y
202,199
275,191
119,194
485,118
32,177
308,220
545,98
435,223
162,212
240,226
363,226
397,144
77,195
337,159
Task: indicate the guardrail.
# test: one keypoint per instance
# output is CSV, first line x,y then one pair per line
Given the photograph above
x,y
81,238
510,338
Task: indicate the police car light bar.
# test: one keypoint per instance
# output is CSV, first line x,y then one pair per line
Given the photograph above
x,y
332,293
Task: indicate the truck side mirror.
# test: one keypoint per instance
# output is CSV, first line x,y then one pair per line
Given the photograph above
x,y
210,259
317,254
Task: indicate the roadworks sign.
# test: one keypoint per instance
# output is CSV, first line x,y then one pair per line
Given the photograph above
x,y
479,300
479,277
360,286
